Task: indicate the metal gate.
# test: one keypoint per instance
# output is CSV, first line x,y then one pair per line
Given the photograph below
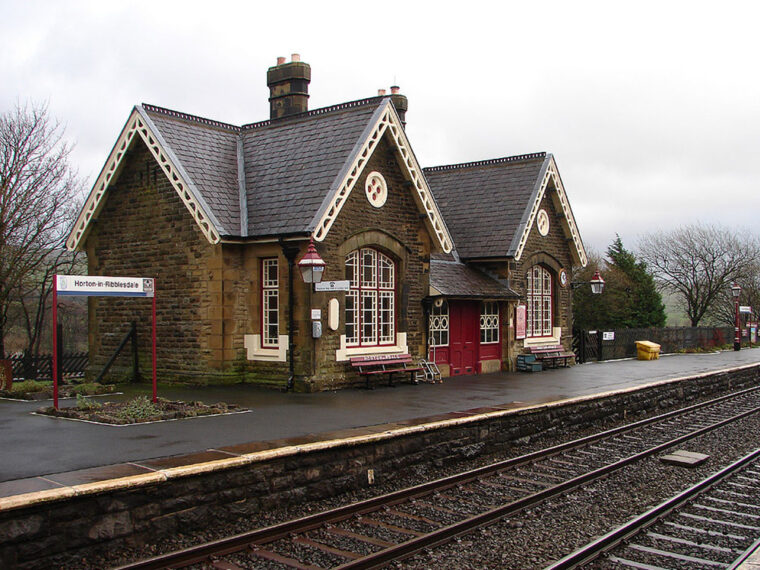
x,y
586,345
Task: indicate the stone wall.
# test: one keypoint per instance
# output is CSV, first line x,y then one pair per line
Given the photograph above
x,y
395,229
45,534
552,251
144,230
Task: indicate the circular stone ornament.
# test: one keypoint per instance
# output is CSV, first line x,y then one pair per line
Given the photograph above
x,y
542,221
376,189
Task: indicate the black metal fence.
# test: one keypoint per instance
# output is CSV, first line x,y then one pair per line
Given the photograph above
x,y
28,367
609,345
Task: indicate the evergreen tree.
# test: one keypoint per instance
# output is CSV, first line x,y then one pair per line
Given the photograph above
x,y
643,303
630,298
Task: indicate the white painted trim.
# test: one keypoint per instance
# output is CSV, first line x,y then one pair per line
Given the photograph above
x,y
542,340
344,353
553,174
136,124
252,344
387,121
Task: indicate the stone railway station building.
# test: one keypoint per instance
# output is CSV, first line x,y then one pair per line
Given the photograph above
x,y
467,264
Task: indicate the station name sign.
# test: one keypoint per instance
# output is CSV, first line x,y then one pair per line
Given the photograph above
x,y
92,285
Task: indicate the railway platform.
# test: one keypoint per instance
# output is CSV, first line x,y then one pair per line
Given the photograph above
x,y
42,453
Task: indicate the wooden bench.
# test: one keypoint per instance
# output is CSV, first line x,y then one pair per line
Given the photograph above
x,y
551,356
389,364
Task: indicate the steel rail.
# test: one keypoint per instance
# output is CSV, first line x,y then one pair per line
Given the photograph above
x,y
257,537
445,534
594,549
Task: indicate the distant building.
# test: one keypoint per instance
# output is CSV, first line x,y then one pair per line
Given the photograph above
x,y
449,262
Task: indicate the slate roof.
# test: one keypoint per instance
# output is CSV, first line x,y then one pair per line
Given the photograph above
x,y
208,153
485,203
290,164
452,278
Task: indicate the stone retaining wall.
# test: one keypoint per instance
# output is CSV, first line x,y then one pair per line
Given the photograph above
x,y
47,529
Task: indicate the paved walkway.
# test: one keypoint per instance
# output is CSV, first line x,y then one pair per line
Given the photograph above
x,y
64,450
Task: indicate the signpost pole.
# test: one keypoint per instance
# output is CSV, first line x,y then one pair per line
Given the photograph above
x,y
55,341
155,397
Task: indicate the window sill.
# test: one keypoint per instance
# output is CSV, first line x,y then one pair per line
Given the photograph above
x,y
344,352
542,340
254,350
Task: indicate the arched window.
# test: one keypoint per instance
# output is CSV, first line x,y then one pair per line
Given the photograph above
x,y
539,294
371,299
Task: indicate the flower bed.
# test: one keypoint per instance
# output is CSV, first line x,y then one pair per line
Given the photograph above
x,y
137,410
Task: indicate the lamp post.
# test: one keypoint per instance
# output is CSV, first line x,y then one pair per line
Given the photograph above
x,y
311,266
736,290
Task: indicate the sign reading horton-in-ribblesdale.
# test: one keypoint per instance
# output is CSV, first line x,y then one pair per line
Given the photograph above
x,y
105,286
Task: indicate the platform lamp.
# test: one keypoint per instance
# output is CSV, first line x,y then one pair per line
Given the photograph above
x,y
597,283
312,266
736,291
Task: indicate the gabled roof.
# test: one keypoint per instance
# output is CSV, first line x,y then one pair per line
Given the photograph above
x,y
288,176
490,206
451,278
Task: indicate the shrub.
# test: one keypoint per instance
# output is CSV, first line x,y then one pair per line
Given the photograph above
x,y
86,404
139,408
27,386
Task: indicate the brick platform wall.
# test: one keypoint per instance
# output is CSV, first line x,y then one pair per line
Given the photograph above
x,y
45,535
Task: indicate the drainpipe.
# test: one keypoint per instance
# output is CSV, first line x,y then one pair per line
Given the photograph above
x,y
290,252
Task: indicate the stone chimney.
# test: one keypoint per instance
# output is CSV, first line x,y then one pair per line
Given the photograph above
x,y
400,102
288,87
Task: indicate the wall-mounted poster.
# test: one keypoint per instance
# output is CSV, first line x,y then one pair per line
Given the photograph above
x,y
520,321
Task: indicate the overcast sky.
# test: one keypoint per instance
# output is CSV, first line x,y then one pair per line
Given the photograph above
x,y
651,109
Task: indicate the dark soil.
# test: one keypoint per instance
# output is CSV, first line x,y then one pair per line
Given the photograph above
x,y
139,410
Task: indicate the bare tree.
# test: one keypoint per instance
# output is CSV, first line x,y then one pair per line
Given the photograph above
x,y
724,310
698,263
33,296
38,191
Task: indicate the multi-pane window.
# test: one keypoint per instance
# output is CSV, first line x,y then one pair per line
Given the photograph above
x,y
270,303
489,322
438,324
539,293
371,299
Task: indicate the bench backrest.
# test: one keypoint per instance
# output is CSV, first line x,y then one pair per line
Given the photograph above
x,y
543,349
380,359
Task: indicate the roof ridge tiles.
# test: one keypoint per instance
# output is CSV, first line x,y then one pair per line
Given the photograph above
x,y
488,162
188,117
316,112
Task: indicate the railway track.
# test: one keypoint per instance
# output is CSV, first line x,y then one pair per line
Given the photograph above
x,y
374,532
714,524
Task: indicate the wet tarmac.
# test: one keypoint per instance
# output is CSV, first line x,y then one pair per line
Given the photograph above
x,y
40,452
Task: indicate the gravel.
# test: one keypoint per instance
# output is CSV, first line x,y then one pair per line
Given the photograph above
x,y
547,532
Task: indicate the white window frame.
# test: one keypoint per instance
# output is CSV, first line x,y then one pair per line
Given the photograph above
x,y
371,299
540,303
489,322
270,292
438,325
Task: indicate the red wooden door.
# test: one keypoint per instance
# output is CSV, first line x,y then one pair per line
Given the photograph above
x,y
464,336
